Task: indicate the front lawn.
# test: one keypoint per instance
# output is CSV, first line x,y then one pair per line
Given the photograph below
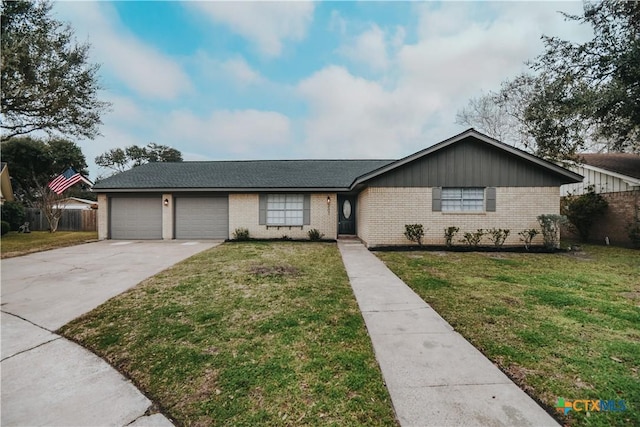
x,y
561,325
254,333
16,244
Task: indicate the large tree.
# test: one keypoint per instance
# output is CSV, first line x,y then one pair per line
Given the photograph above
x,y
34,163
501,114
122,159
600,79
48,83
577,96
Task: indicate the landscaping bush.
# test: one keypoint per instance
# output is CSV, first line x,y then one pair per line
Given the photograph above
x,y
473,239
527,236
550,225
449,234
414,233
4,227
241,234
583,211
498,236
315,235
13,213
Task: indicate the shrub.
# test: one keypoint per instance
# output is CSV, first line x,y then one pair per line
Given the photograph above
x,y
582,211
285,237
550,225
315,234
527,236
449,234
414,233
13,213
241,234
4,227
498,236
473,239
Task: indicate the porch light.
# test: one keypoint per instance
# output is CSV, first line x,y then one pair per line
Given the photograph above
x,y
328,200
166,202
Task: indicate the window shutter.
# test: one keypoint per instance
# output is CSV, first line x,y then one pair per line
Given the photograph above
x,y
436,199
491,199
306,213
262,210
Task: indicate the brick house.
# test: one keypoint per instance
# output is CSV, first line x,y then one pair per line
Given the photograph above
x,y
469,181
615,176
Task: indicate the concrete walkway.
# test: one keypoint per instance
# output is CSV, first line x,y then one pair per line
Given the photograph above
x,y
48,380
434,376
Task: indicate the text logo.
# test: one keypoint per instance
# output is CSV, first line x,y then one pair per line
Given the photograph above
x,y
588,405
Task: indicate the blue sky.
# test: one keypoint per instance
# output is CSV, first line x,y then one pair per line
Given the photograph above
x,y
278,80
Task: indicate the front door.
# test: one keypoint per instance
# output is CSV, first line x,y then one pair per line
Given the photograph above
x,y
346,214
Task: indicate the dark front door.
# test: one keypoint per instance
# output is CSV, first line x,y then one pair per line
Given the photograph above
x,y
346,214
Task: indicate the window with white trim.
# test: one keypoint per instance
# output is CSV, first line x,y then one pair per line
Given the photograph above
x,y
462,199
285,209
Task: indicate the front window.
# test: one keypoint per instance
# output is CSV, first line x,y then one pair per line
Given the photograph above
x,y
285,209
462,199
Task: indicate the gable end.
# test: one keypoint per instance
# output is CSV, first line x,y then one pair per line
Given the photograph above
x,y
470,162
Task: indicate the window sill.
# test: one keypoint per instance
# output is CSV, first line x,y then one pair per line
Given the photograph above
x,y
278,227
465,213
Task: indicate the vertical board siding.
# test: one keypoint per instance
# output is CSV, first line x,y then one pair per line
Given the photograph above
x,y
602,182
71,220
471,163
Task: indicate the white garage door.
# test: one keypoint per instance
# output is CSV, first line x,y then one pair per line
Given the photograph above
x,y
202,217
136,218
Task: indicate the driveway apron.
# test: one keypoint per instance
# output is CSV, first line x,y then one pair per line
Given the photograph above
x,y
434,376
48,380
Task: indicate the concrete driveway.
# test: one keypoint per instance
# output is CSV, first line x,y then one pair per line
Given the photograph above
x,y
48,380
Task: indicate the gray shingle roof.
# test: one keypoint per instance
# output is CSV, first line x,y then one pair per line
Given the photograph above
x,y
268,174
623,163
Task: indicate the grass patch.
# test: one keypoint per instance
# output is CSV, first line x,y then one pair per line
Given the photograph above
x,y
15,244
560,325
251,333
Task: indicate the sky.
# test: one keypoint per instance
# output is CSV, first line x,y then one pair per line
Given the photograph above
x,y
301,80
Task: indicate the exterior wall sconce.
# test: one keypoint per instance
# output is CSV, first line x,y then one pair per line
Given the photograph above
x,y
166,202
328,200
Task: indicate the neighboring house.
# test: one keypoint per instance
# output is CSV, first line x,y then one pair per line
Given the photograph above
x,y
6,190
606,172
78,203
470,181
616,176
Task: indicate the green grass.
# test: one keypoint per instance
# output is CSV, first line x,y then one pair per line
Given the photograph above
x,y
561,325
245,334
15,244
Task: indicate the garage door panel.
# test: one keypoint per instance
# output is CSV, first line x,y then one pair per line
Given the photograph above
x,y
136,218
202,217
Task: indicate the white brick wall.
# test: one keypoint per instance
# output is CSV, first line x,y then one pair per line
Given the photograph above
x,y
243,213
103,216
383,213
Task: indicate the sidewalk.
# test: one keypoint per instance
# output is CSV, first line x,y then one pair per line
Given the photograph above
x,y
434,376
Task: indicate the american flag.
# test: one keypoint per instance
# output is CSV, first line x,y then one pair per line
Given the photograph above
x,y
66,179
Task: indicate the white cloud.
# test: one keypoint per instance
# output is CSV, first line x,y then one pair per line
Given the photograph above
x,y
237,132
142,67
355,117
241,72
369,48
266,24
461,50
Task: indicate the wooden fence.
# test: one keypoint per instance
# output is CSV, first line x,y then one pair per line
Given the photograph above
x,y
71,220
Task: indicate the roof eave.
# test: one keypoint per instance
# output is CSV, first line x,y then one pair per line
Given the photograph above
x,y
224,190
